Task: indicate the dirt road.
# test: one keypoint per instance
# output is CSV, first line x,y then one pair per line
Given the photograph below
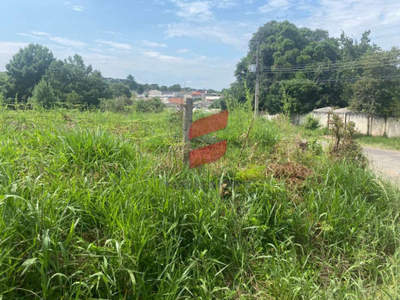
x,y
385,161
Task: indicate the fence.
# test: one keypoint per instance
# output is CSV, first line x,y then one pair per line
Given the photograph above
x,y
375,126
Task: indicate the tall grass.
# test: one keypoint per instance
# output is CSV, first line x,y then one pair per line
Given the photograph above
x,y
98,206
380,142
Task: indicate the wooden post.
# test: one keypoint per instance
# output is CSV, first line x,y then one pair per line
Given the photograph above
x,y
257,92
329,122
187,122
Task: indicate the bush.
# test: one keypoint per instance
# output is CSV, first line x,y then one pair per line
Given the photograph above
x,y
43,95
345,147
311,123
220,104
153,105
120,104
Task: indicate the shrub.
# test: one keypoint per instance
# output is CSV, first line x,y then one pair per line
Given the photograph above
x,y
345,147
43,95
74,98
120,104
220,104
311,123
153,105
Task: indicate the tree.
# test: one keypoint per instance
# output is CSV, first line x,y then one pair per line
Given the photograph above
x,y
72,75
131,82
306,62
140,89
153,105
27,68
175,88
43,95
118,90
6,87
375,93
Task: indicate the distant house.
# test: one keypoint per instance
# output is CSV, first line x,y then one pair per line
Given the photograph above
x,y
212,98
197,95
154,93
177,100
169,94
201,104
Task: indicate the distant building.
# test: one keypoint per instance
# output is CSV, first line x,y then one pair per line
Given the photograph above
x,y
212,98
169,94
197,95
154,93
177,100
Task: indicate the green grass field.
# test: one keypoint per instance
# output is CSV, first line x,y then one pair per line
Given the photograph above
x,y
380,142
99,206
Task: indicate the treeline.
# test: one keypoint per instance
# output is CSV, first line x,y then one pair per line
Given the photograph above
x,y
303,69
34,76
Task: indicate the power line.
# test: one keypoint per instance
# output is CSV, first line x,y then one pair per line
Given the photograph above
x,y
344,79
319,68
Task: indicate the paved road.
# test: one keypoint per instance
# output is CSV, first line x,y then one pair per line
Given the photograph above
x,y
386,161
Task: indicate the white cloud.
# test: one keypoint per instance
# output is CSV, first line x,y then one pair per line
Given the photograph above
x,y
66,41
274,5
183,51
40,33
357,16
195,11
114,45
228,33
112,32
29,35
161,57
11,47
78,8
200,10
153,45
7,50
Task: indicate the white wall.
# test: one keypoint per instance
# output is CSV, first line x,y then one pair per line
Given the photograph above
x,y
375,126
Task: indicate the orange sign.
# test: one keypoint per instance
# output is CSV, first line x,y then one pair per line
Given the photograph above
x,y
208,124
204,126
207,154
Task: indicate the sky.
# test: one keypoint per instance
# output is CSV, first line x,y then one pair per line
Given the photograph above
x,y
194,43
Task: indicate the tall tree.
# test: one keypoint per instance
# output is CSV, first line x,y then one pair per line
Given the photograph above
x,y
27,68
72,75
6,87
118,90
175,88
306,62
131,82
376,92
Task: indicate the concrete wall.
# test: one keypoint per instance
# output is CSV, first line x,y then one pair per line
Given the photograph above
x,y
393,127
323,118
374,126
360,120
298,119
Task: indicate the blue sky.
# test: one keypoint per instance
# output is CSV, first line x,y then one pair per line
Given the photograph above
x,y
193,43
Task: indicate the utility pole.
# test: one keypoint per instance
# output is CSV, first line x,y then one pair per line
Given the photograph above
x,y
257,92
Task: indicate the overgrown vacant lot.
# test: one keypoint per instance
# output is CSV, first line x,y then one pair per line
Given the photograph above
x,y
98,206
